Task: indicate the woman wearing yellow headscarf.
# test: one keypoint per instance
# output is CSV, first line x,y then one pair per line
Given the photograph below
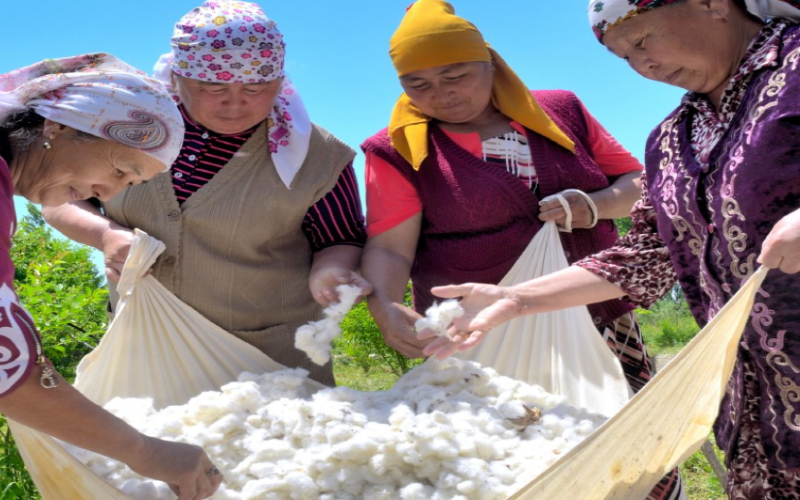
x,y
455,183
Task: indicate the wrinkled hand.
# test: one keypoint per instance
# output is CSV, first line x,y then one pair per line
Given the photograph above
x,y
396,323
183,467
116,246
485,307
781,248
323,284
552,210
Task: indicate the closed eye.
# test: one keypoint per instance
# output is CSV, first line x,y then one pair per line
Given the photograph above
x,y
454,78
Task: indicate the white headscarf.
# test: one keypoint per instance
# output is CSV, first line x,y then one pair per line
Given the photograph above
x,y
605,14
235,42
100,95
767,9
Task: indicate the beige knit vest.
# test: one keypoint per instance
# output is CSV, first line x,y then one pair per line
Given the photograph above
x,y
235,250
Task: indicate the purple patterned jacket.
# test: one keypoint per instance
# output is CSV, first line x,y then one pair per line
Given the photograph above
x,y
711,223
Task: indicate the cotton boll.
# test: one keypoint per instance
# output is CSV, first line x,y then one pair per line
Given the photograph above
x,y
351,479
260,489
142,490
379,492
348,295
439,316
328,482
315,338
416,491
302,487
585,427
389,466
512,411
466,487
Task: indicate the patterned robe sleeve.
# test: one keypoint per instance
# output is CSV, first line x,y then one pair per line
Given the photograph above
x,y
639,263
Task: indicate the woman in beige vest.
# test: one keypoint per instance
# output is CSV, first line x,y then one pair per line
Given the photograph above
x,y
260,213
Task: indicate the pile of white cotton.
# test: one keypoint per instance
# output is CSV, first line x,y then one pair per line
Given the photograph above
x,y
315,338
447,430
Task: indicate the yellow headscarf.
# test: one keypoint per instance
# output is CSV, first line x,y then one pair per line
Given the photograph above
x,y
432,35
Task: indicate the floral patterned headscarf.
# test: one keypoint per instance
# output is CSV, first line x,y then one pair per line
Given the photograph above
x,y
234,42
100,95
606,14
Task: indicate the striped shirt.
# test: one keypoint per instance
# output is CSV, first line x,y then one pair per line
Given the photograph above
x,y
336,219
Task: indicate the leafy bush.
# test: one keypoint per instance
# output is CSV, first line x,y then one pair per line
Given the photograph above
x,y
668,324
361,343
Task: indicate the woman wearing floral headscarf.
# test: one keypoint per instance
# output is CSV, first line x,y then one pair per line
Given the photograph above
x,y
260,214
721,193
456,185
71,129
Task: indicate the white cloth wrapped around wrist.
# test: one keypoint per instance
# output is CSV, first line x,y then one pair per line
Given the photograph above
x,y
565,204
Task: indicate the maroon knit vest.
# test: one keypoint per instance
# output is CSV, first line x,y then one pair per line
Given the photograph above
x,y
478,218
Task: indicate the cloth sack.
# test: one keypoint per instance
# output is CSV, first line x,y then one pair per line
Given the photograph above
x,y
656,430
561,351
661,426
157,347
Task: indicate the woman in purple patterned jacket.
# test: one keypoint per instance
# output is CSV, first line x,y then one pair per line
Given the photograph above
x,y
720,194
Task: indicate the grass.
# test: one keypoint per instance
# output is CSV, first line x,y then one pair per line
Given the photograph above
x,y
375,378
699,480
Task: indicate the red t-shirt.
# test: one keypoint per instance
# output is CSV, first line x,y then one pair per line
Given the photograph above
x,y
392,199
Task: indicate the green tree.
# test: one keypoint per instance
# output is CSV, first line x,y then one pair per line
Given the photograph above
x,y
59,285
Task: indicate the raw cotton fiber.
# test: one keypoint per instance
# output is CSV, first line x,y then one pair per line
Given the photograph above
x,y
447,430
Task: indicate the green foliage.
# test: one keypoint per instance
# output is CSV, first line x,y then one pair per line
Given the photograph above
x,y
361,343
58,284
15,483
668,324
623,225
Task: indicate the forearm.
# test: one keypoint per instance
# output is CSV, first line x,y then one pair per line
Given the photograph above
x,y
616,200
388,271
80,221
570,287
341,256
66,414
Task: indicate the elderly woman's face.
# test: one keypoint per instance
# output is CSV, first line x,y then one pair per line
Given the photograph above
x,y
228,108
454,93
75,169
685,45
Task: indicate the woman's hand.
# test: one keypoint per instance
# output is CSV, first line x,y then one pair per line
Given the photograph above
x,y
116,245
396,323
323,283
185,468
485,307
551,209
781,248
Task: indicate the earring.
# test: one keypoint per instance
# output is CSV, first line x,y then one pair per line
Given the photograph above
x,y
46,144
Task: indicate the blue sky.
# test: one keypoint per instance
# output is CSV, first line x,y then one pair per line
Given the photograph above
x,y
337,53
